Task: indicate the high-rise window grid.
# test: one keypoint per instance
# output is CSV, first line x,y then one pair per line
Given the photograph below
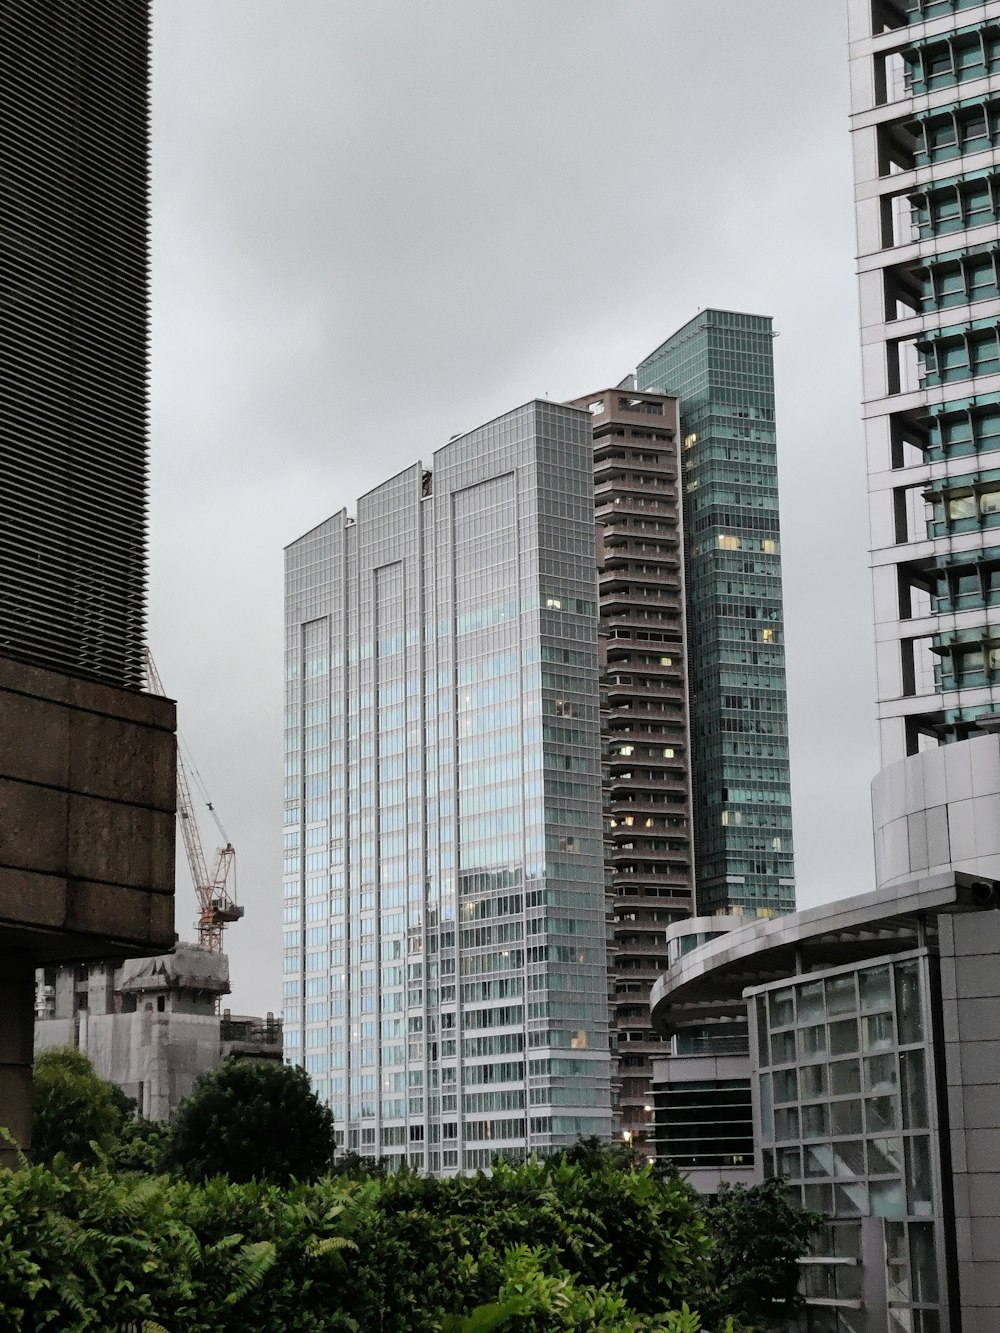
x,y
847,1117
456,1009
721,366
926,126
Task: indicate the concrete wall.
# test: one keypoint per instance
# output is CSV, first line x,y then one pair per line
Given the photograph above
x,y
970,990
87,799
939,811
154,1057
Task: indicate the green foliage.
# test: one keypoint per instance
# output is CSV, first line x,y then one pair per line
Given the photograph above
x,y
252,1120
533,1249
142,1146
73,1107
759,1239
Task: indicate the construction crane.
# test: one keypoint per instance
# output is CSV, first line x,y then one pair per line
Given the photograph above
x,y
217,906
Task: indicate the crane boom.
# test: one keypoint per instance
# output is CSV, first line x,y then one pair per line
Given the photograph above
x,y
216,905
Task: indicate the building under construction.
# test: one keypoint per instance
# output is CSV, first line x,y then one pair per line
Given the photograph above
x,y
150,1025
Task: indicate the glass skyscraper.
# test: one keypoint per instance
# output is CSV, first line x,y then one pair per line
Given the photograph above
x,y
721,366
445,921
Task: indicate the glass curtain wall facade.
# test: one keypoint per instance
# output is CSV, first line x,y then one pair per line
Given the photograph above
x,y
445,935
925,90
721,367
847,1092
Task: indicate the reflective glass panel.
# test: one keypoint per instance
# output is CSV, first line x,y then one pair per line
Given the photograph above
x,y
908,1003
880,1073
815,1121
888,1198
915,1111
782,1048
876,989
840,997
844,1037
923,1261
819,1160
846,1117
813,1079
810,1004
879,1032
850,1200
881,1114
812,1042
918,1175
885,1157
782,1008
845,1077
849,1158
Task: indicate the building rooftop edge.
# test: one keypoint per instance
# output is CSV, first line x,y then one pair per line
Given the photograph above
x,y
874,913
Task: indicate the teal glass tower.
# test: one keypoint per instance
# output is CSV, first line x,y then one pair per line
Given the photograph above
x,y
721,366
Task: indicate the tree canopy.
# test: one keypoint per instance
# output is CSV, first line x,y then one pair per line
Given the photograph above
x,y
73,1107
252,1119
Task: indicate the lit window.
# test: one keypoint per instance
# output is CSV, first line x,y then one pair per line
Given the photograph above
x,y
666,661
768,546
727,542
625,749
668,753
690,441
767,635
553,604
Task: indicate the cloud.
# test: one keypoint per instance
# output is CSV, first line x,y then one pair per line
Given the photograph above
x,y
377,224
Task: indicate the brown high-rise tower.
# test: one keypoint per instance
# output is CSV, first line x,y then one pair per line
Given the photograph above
x,y
647,779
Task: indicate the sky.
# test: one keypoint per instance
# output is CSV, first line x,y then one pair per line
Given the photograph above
x,y
379,223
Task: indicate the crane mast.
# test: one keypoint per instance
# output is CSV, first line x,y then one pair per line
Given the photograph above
x,y
216,905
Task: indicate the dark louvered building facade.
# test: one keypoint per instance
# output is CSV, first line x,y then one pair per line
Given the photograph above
x,y
74,198
86,759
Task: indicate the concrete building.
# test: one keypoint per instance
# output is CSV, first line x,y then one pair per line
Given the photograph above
x,y
445,917
643,655
150,1025
874,1060
721,366
87,762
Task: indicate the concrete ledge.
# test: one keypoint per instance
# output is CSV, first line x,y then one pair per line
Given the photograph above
x,y
87,804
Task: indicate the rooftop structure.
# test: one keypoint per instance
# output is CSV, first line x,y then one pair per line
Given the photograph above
x,y
150,1025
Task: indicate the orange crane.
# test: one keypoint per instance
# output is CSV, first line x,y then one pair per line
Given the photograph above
x,y
217,906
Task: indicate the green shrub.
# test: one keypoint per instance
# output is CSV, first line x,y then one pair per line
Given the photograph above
x,y
530,1249
73,1108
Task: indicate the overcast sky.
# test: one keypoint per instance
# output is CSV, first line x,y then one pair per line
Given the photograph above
x,y
377,223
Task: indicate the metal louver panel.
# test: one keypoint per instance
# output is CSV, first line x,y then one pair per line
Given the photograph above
x,y
74,221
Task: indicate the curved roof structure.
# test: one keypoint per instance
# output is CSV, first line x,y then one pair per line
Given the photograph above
x,y
709,983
